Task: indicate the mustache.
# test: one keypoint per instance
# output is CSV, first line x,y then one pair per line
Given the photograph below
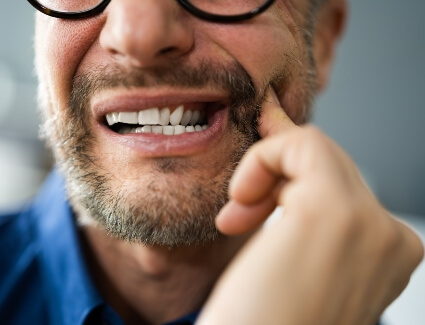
x,y
231,78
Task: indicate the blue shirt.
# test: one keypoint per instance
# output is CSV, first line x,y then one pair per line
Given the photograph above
x,y
43,276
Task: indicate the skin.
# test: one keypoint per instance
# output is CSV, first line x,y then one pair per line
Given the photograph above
x,y
337,267
154,284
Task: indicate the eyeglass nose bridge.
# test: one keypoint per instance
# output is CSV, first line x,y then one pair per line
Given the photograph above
x,y
186,4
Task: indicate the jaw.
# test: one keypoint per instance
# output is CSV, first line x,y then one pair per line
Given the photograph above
x,y
159,199
155,179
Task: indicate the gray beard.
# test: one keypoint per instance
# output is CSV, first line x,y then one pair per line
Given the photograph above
x,y
160,214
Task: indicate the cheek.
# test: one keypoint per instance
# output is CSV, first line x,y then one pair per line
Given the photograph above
x,y
273,50
60,46
261,48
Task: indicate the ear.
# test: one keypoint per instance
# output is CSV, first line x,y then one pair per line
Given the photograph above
x,y
330,24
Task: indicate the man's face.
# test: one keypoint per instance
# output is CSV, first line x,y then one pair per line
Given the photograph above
x,y
137,55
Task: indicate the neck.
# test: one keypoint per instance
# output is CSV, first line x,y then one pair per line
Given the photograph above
x,y
153,285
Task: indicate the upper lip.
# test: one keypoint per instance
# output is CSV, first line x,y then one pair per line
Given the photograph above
x,y
137,100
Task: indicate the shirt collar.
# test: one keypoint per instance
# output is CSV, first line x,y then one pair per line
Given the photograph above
x,y
70,292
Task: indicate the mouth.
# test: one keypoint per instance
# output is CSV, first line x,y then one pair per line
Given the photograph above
x,y
162,125
168,121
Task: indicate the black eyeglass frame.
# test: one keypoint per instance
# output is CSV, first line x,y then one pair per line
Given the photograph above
x,y
184,3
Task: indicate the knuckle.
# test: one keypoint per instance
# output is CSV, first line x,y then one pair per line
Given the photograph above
x,y
416,248
351,223
313,133
315,141
392,239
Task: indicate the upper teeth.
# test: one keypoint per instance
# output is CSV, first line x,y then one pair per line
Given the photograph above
x,y
155,116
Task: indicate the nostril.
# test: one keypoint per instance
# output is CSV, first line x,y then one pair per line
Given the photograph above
x,y
113,51
167,50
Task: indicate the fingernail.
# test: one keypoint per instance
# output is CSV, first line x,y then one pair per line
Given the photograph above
x,y
274,95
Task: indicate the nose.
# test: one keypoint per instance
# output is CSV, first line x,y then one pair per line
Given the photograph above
x,y
144,33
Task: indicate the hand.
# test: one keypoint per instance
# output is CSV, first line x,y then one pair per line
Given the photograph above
x,y
335,257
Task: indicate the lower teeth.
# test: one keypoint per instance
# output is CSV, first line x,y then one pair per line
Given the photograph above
x,y
166,130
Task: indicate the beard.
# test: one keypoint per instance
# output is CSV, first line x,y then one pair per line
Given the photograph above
x,y
157,212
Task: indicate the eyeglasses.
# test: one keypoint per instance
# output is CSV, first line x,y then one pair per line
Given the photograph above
x,y
226,11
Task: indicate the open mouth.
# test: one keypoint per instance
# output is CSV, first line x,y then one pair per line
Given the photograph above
x,y
171,120
157,126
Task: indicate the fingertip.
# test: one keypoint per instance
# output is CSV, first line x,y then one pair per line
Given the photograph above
x,y
251,181
271,96
236,219
273,117
229,221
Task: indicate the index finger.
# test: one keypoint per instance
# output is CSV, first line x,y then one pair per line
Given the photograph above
x,y
273,117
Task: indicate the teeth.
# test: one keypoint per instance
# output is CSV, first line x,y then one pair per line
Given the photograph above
x,y
147,129
202,117
177,115
157,129
149,116
186,118
112,118
194,118
128,117
165,116
166,130
179,129
155,120
190,128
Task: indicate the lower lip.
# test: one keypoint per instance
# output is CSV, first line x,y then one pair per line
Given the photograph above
x,y
152,145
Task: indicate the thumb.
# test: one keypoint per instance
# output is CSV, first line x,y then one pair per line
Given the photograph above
x,y
273,117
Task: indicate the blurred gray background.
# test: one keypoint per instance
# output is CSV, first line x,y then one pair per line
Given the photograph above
x,y
374,107
23,160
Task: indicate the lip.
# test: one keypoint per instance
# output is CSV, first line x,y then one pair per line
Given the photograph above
x,y
151,145
136,100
